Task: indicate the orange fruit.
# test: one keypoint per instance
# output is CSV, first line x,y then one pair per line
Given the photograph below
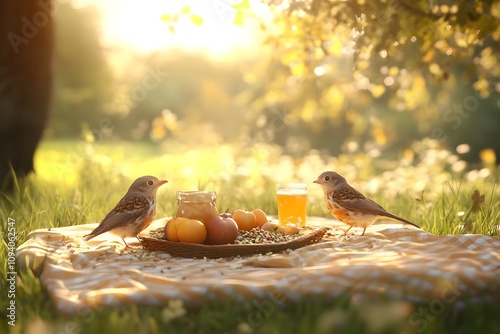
x,y
171,231
246,220
192,231
260,217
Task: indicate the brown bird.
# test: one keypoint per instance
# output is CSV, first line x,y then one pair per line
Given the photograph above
x,y
133,213
349,205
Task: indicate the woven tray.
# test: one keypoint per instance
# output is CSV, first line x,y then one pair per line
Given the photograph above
x,y
189,250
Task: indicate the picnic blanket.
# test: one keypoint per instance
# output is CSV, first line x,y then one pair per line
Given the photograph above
x,y
392,260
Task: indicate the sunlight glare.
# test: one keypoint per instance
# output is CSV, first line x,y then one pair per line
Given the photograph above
x,y
137,25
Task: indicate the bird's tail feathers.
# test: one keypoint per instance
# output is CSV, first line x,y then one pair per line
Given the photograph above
x,y
402,220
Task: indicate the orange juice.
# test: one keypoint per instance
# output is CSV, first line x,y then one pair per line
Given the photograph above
x,y
292,202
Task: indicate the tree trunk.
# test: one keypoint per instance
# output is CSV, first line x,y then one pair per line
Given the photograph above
x,y
26,48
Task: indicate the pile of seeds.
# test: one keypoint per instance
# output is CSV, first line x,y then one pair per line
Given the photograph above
x,y
259,236
251,237
159,233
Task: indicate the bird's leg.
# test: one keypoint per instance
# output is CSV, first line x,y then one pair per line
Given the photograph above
x,y
345,233
125,243
362,234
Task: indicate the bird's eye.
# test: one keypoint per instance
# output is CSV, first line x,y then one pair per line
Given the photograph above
x,y
327,178
150,183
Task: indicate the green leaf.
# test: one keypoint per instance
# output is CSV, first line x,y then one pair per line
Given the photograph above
x,y
477,200
245,4
166,17
197,19
239,18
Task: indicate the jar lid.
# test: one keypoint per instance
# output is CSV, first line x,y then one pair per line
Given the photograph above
x,y
196,196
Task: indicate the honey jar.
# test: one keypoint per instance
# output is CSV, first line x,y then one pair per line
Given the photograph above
x,y
199,205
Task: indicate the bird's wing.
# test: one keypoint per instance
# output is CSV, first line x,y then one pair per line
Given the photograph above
x,y
131,202
127,209
347,193
355,201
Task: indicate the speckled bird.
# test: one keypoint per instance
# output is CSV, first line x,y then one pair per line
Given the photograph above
x,y
133,213
350,206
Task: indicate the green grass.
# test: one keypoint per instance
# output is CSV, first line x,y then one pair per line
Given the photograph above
x,y
77,183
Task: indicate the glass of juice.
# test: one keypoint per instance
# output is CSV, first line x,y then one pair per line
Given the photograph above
x,y
292,202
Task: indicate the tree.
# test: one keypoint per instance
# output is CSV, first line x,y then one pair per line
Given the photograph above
x,y
362,64
25,82
83,83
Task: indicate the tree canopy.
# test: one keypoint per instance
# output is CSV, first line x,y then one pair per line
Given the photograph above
x,y
336,75
351,67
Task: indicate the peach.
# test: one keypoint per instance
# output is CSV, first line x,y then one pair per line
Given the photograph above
x,y
245,220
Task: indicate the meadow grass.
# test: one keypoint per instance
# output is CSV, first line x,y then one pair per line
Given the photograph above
x,y
78,183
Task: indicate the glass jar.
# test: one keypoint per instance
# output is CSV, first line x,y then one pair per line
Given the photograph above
x,y
292,203
199,205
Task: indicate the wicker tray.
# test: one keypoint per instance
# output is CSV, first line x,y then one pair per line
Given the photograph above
x,y
189,250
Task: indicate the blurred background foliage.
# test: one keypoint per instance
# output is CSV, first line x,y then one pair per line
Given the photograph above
x,y
339,76
84,84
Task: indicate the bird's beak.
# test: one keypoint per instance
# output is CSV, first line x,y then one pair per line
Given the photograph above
x,y
162,182
316,181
